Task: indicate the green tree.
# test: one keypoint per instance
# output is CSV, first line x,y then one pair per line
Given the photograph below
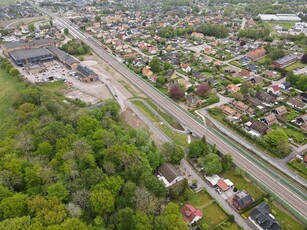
x,y
143,221
170,218
66,31
18,223
197,148
227,162
113,184
277,138
155,65
14,72
102,201
211,164
172,153
58,190
125,219
31,27
14,206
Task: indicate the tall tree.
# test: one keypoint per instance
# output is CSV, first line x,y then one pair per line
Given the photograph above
x,y
176,92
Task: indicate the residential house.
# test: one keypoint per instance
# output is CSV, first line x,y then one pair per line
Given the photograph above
x,y
304,97
229,112
256,54
212,81
197,35
85,74
270,74
192,101
274,90
186,84
261,217
191,214
285,61
258,127
153,79
296,104
186,68
281,110
231,88
171,74
169,174
270,119
240,105
244,73
253,101
147,72
285,86
256,80
243,60
265,97
241,200
198,75
230,69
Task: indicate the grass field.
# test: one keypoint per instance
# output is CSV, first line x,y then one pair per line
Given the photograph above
x,y
295,65
10,87
297,136
292,114
7,2
213,215
284,24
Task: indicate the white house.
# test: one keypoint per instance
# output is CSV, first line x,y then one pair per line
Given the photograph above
x,y
169,174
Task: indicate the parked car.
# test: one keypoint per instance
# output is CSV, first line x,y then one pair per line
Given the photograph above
x,y
218,191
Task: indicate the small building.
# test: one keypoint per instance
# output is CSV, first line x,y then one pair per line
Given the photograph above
x,y
213,180
286,85
186,68
231,88
274,90
192,101
222,185
169,174
270,119
296,104
191,214
259,127
85,74
261,217
171,74
240,105
281,110
285,61
147,72
241,200
265,97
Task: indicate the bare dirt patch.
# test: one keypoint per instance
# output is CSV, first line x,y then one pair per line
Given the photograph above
x,y
79,95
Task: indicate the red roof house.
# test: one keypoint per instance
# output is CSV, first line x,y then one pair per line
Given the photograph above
x,y
191,214
222,185
255,54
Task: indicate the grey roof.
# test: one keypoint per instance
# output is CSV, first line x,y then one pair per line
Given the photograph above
x,y
285,59
31,43
29,53
85,72
169,172
69,60
261,215
57,52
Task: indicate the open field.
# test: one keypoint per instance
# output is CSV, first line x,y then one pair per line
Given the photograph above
x,y
7,2
270,25
299,168
295,65
10,87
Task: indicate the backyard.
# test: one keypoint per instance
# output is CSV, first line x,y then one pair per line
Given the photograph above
x,y
295,65
298,167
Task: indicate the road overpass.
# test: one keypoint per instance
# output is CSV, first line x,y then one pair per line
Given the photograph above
x,y
293,197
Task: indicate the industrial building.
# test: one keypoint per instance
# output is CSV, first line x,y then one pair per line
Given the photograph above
x,y
280,17
86,75
31,56
37,43
68,60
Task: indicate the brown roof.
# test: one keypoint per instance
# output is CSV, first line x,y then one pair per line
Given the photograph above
x,y
259,127
169,171
256,53
240,105
281,110
271,119
296,103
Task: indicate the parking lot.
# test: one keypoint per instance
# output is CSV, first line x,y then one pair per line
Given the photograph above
x,y
54,71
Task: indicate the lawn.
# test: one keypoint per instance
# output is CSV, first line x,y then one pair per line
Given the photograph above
x,y
284,24
292,114
294,66
243,184
299,168
146,111
10,87
297,136
235,63
213,215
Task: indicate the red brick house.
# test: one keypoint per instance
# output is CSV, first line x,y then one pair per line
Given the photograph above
x,y
255,54
191,214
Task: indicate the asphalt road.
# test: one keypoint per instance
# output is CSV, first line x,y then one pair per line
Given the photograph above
x,y
268,177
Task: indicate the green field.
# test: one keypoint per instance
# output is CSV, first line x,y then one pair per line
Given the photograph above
x,y
297,136
299,168
295,65
292,114
7,2
284,24
10,87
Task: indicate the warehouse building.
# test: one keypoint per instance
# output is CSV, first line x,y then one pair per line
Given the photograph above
x,y
280,17
86,75
68,60
37,43
31,56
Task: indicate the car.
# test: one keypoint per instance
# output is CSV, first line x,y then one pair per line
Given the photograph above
x,y
299,157
218,191
193,186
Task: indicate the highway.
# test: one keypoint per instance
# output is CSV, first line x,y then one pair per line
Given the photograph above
x,y
277,184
